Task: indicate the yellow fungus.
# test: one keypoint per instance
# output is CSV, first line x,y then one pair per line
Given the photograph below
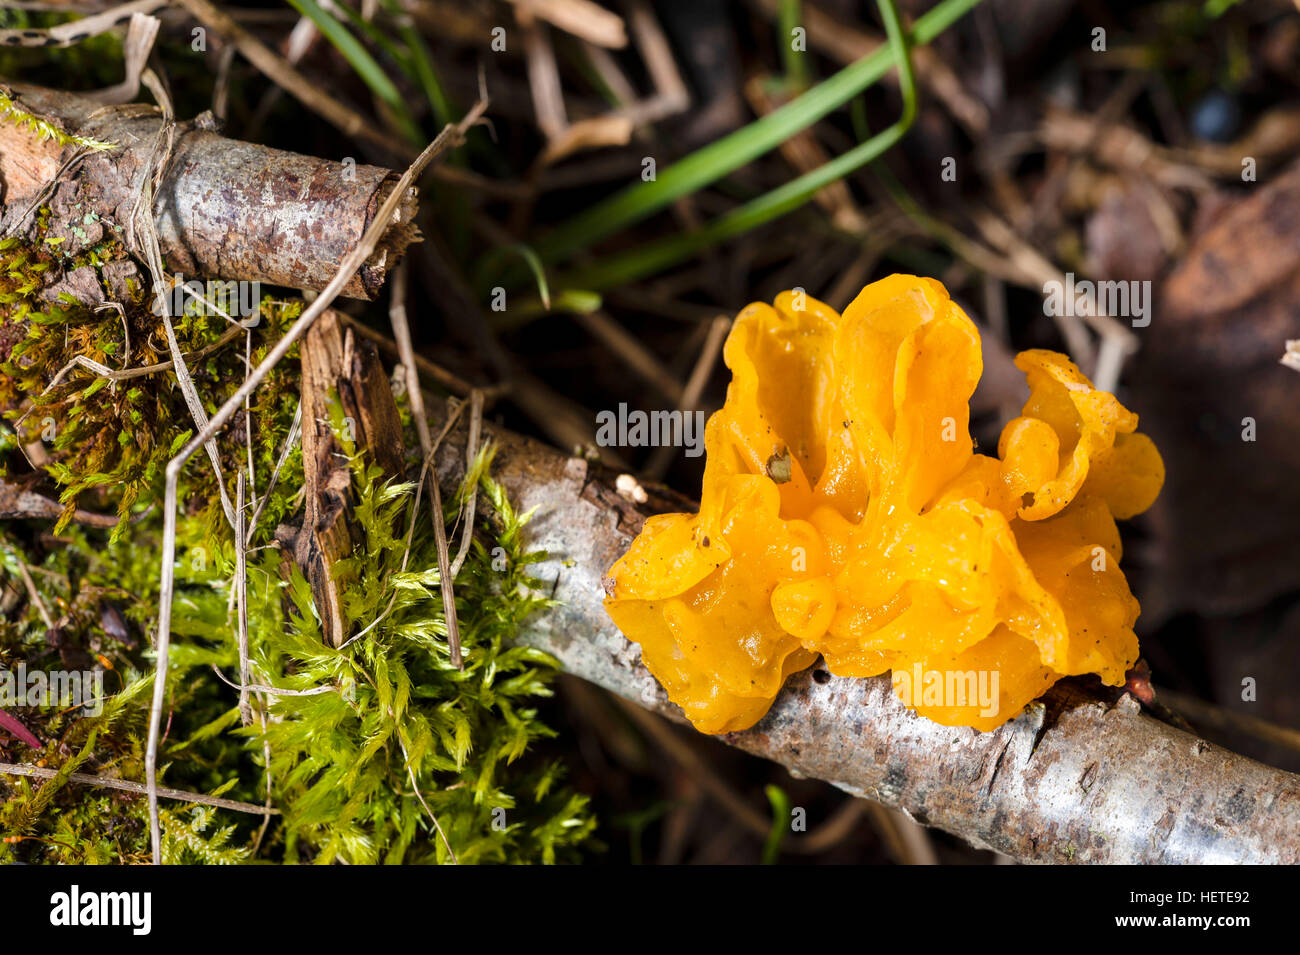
x,y
845,513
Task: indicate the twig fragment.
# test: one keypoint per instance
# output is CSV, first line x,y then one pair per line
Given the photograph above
x,y
129,786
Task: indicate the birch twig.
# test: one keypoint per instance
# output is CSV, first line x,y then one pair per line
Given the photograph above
x,y
1077,777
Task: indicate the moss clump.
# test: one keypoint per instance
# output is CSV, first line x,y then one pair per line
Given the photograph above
x,y
408,737
15,115
102,433
359,771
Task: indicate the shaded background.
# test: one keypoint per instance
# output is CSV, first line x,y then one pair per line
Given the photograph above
x,y
1117,163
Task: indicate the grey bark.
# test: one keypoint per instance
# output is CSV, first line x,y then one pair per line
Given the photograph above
x,y
1077,777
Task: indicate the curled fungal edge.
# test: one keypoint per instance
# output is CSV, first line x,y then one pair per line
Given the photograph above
x,y
844,513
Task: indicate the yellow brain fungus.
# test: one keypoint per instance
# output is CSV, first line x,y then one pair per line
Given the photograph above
x,y
845,513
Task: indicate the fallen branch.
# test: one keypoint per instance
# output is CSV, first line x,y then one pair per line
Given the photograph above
x,y
224,208
1077,777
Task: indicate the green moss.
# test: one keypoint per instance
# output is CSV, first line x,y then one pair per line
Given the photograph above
x,y
15,115
115,438
406,716
342,762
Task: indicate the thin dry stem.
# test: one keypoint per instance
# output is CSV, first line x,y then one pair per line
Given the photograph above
x,y
282,73
142,234
450,135
241,601
471,452
402,335
415,514
127,785
270,690
291,439
694,390
34,594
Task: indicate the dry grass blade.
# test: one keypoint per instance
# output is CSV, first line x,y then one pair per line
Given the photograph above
x,y
127,785
143,236
657,467
632,352
241,602
1223,719
282,73
66,34
1291,357
710,781
544,82
410,772
295,429
908,841
402,335
582,18
471,452
1033,263
443,377
270,690
410,527
139,43
34,595
450,135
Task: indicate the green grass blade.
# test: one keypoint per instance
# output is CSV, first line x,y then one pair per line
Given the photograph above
x,y
488,263
796,61
780,823
710,163
359,58
654,256
444,111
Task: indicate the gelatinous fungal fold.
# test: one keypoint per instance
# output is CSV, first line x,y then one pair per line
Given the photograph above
x,y
844,513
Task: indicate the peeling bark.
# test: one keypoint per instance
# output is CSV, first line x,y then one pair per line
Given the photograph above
x,y
225,209
1078,777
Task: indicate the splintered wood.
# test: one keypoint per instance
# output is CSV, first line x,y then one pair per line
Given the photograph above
x,y
337,366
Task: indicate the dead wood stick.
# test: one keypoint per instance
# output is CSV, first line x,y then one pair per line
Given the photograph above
x,y
224,209
17,501
1075,778
338,367
129,786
